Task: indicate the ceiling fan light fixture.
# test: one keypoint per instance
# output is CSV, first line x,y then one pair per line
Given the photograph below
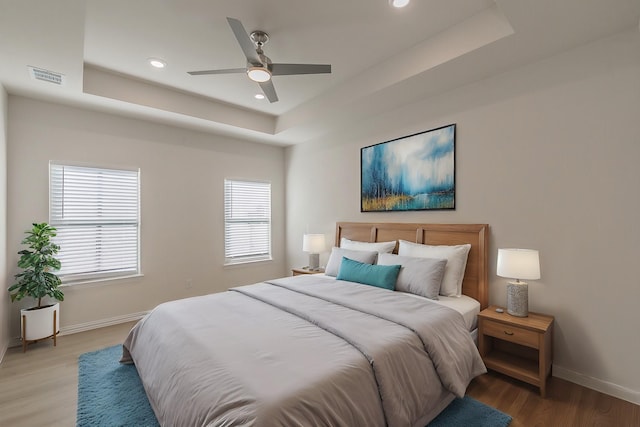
x,y
259,74
399,3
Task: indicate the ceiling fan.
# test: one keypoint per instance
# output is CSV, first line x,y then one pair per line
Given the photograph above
x,y
259,67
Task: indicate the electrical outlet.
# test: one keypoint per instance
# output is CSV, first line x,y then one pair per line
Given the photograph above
x,y
189,284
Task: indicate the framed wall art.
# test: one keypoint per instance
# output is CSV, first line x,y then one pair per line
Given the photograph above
x,y
415,172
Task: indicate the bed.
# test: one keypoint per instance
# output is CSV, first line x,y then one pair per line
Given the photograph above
x,y
314,350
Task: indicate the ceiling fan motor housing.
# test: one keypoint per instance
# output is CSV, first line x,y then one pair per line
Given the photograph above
x,y
260,38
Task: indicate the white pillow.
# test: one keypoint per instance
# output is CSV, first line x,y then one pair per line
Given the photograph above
x,y
380,247
335,259
420,276
456,257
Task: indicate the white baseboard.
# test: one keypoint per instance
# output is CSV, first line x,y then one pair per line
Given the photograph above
x,y
602,386
88,326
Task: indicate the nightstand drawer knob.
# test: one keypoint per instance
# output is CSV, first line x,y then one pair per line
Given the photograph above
x,y
508,333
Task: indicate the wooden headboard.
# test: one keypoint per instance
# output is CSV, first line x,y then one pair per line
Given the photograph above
x,y
475,283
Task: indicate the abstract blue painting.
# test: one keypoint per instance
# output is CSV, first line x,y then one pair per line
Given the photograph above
x,y
415,172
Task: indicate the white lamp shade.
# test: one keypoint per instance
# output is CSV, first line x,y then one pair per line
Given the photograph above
x,y
519,264
313,243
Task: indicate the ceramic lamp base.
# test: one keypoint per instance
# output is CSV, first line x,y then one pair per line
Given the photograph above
x,y
518,299
314,261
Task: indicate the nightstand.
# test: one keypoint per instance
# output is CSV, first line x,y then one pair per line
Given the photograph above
x,y
520,347
305,270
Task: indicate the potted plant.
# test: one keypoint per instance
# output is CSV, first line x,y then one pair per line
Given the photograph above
x,y
38,281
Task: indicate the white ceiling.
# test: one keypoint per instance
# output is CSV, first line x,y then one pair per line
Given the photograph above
x,y
381,57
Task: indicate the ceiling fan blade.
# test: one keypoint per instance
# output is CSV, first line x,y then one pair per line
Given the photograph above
x,y
226,71
245,42
289,69
269,90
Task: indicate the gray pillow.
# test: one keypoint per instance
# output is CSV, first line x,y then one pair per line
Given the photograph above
x,y
380,247
456,256
335,259
419,276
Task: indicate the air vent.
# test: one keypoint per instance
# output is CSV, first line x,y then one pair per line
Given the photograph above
x,y
46,75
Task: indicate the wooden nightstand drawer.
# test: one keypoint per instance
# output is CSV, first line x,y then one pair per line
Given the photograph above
x,y
511,333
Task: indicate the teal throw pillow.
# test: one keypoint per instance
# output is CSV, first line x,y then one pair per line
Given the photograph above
x,y
382,276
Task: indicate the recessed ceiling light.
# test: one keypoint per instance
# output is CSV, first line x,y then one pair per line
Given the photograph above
x,y
157,62
399,3
258,96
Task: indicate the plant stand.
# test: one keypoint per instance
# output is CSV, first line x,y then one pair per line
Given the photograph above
x,y
37,326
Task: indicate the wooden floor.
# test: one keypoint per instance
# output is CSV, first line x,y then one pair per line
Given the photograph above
x,y
39,388
566,404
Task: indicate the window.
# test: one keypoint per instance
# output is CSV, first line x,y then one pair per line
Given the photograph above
x,y
96,212
247,221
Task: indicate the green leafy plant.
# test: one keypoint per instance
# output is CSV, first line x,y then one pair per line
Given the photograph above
x,y
37,280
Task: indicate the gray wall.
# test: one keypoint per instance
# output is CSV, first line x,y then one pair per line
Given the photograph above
x,y
548,156
5,301
182,215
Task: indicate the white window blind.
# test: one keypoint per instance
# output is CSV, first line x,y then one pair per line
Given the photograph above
x,y
247,221
96,212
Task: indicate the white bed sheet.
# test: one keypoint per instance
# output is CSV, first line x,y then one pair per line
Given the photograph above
x,y
465,305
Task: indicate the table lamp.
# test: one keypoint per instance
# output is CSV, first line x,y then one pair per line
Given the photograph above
x,y
518,264
314,244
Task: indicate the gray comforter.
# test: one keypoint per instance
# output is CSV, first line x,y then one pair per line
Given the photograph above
x,y
302,351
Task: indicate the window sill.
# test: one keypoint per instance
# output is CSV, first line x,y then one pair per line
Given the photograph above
x,y
245,262
90,283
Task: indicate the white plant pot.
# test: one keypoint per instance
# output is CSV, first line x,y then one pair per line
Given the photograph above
x,y
39,322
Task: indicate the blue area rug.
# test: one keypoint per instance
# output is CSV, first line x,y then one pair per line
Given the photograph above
x,y
469,412
111,395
